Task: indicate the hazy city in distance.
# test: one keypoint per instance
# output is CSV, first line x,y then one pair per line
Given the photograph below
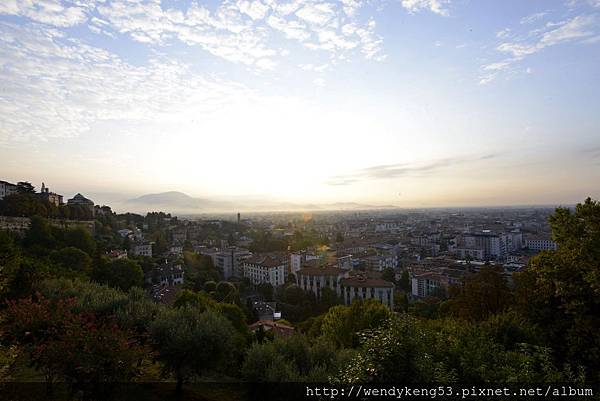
x,y
299,199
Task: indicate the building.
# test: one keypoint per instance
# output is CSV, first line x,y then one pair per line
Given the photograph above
x,y
50,197
229,260
117,254
314,279
297,259
363,287
82,202
143,249
466,253
540,244
166,275
486,245
265,269
274,327
6,189
424,284
176,250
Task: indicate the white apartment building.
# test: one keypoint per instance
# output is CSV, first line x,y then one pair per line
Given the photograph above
x,y
265,269
144,249
424,284
6,189
230,260
361,287
540,244
298,258
487,245
314,279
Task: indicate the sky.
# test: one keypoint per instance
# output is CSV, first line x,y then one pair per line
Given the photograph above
x,y
413,103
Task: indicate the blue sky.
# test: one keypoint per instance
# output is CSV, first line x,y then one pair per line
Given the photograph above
x,y
405,102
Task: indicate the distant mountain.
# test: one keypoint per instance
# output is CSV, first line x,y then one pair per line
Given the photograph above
x,y
171,197
176,202
179,202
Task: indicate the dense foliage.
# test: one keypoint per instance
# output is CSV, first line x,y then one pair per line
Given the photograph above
x,y
69,313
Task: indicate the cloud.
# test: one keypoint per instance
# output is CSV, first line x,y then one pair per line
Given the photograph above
x,y
242,32
593,152
56,86
435,6
533,17
51,12
389,171
503,33
579,29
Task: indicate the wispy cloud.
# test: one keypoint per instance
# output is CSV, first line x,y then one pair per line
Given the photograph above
x,y
592,152
435,6
242,31
56,86
578,29
387,171
533,17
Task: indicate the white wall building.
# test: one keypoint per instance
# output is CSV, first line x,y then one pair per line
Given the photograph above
x,y
265,269
230,260
298,258
314,279
360,287
144,249
540,244
6,189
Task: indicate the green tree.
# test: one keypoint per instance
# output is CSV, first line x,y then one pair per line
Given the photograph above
x,y
10,260
226,292
72,259
39,234
560,290
388,274
190,341
25,187
341,324
265,290
120,273
481,295
81,239
404,282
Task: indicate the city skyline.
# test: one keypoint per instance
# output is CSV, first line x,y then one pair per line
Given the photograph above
x,y
413,103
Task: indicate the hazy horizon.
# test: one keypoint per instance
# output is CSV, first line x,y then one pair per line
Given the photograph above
x,y
410,103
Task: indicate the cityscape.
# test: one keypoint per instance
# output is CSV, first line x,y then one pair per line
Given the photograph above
x,y
235,200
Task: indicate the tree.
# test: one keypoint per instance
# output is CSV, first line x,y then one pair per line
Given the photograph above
x,y
72,259
481,295
120,273
388,274
404,282
226,292
40,234
81,239
25,187
560,290
10,260
190,341
328,299
341,324
265,290
399,351
76,347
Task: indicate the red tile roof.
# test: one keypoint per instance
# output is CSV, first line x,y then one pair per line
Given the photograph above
x,y
277,328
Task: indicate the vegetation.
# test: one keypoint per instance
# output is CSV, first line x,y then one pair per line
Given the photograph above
x,y
74,315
